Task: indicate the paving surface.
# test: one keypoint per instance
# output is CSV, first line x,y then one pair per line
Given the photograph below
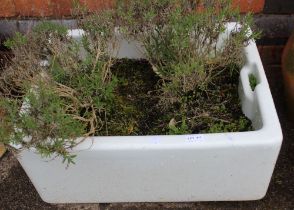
x,y
17,192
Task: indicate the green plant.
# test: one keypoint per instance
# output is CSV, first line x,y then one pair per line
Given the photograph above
x,y
241,124
183,44
50,28
253,81
17,40
180,129
69,97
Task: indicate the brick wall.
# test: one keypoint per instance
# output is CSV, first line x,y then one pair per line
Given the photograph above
x,y
62,8
45,8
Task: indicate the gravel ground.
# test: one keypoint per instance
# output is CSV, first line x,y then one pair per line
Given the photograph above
x,y
17,192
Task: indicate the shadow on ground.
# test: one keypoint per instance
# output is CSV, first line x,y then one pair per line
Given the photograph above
x,y
17,192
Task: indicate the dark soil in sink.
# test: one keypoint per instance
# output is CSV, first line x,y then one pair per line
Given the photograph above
x,y
139,92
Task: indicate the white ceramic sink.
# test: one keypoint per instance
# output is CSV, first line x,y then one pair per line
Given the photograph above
x,y
204,167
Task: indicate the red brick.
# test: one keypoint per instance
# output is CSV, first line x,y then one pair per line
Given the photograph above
x,y
7,8
61,7
94,5
33,8
255,6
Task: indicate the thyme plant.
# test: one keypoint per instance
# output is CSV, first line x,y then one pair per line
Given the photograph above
x,y
51,94
183,43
